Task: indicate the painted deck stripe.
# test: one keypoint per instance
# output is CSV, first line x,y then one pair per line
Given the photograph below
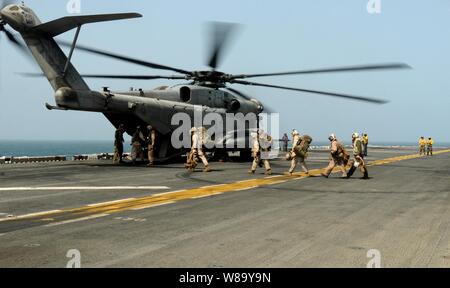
x,y
110,202
83,188
76,220
31,215
152,205
155,200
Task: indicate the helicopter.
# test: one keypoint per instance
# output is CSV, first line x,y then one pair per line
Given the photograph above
x,y
206,90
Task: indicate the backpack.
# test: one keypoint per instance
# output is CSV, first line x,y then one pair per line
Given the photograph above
x,y
302,149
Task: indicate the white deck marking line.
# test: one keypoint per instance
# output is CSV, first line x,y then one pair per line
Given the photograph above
x,y
247,188
216,185
76,220
31,215
1,234
110,202
152,205
208,195
84,188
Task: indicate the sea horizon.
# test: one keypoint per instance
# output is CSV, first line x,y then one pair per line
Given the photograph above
x,y
17,148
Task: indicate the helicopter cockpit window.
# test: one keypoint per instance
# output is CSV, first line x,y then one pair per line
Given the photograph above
x,y
13,8
185,94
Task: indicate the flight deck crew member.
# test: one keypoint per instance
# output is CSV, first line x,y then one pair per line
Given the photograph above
x,y
422,145
285,140
358,156
118,144
365,143
198,139
339,157
430,143
136,144
151,142
261,143
298,151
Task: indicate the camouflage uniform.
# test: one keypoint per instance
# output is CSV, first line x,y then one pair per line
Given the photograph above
x,y
151,142
338,158
358,157
257,150
296,158
136,145
118,145
198,138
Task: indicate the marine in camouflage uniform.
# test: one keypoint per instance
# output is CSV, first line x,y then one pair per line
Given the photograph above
x,y
298,152
358,157
339,157
136,144
151,142
118,144
258,148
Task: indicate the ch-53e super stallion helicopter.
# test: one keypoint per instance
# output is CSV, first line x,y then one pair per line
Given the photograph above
x,y
207,89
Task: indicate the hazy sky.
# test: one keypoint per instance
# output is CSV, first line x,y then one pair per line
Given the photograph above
x,y
276,36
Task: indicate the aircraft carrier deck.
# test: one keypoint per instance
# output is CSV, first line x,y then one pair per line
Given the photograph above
x,y
164,216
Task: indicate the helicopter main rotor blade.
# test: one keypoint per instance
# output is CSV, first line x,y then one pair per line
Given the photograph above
x,y
246,97
125,58
14,41
220,36
387,66
346,96
237,92
109,76
133,77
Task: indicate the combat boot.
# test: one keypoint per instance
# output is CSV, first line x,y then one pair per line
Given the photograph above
x,y
351,171
269,172
366,174
251,171
207,169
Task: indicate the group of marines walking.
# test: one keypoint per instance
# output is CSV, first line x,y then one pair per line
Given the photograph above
x,y
261,148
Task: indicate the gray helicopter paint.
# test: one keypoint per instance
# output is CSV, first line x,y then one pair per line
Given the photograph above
x,y
155,107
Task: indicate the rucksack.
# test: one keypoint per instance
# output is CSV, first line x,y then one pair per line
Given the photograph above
x,y
301,149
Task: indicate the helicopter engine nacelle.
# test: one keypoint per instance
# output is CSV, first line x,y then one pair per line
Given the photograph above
x,y
234,105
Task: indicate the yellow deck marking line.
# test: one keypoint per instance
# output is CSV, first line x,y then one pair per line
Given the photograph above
x,y
110,202
175,196
152,205
84,188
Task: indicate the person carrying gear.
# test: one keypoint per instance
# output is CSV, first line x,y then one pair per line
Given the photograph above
x,y
365,144
151,142
118,144
198,138
422,145
262,143
339,157
136,144
358,157
300,146
430,143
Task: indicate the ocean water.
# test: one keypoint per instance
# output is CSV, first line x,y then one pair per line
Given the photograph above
x,y
70,148
50,148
